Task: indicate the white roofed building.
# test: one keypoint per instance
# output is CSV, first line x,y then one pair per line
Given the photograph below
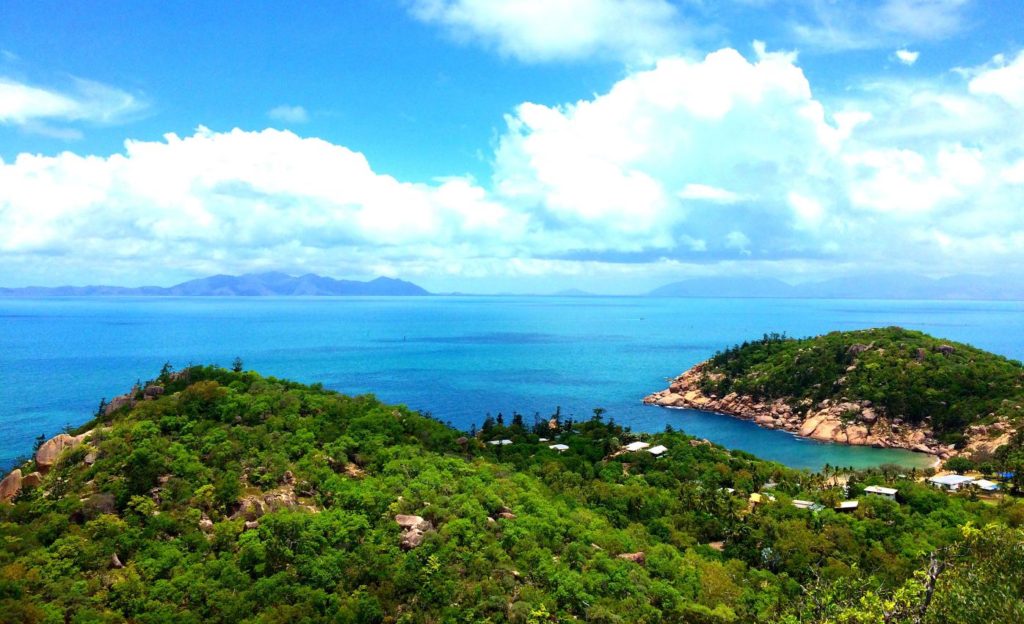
x,y
951,482
636,446
884,492
657,451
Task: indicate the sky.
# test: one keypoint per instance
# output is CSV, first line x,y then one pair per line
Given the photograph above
x,y
510,146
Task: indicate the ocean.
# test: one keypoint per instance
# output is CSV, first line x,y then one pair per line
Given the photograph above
x,y
457,358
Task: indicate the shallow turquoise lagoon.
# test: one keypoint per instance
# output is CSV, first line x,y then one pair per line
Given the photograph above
x,y
458,358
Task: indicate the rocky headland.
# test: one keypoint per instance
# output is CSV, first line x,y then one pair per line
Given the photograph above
x,y
839,418
843,422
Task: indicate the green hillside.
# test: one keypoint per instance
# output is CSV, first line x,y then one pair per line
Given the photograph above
x,y
905,374
231,497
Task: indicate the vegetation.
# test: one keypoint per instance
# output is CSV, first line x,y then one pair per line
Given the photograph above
x,y
148,521
905,374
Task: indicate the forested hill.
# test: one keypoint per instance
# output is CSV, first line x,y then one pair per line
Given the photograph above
x,y
216,496
901,374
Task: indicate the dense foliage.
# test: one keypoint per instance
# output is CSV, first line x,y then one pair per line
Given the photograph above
x,y
907,374
150,529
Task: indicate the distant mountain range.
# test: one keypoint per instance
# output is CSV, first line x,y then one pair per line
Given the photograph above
x,y
887,286
249,285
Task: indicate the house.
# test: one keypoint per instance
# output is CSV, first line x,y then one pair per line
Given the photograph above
x,y
850,505
500,442
884,492
758,498
986,485
950,482
636,446
806,504
657,450
561,448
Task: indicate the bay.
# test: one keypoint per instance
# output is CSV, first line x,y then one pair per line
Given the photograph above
x,y
458,358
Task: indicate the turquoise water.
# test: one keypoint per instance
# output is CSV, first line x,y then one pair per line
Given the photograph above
x,y
458,358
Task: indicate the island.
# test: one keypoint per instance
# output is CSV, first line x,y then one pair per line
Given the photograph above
x,y
215,495
886,387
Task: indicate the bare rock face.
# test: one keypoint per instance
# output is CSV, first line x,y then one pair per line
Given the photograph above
x,y
637,557
10,486
32,479
48,453
250,525
288,478
945,349
117,403
407,522
152,392
414,528
115,562
205,524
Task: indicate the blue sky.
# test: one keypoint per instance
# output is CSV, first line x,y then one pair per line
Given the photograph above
x,y
510,146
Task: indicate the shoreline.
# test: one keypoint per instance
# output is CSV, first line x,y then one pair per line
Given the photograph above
x,y
846,422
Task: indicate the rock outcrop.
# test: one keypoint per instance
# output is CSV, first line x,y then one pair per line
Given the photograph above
x,y
414,528
10,486
50,450
844,422
118,402
254,506
636,557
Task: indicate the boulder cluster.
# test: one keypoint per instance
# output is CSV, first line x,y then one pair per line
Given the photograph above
x,y
46,456
414,528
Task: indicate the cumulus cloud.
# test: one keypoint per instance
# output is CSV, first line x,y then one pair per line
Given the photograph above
x,y
1001,78
726,161
22,104
907,57
548,30
289,114
225,198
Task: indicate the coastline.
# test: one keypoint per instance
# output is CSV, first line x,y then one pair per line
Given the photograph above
x,y
845,422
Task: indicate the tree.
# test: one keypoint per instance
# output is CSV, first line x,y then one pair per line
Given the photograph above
x,y
236,365
958,464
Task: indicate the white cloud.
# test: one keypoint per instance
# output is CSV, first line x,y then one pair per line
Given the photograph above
x,y
691,163
547,30
613,164
907,57
739,241
236,196
713,194
877,24
289,114
23,104
1002,79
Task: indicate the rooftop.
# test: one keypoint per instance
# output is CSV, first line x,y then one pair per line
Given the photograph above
x,y
878,489
636,446
657,450
951,479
